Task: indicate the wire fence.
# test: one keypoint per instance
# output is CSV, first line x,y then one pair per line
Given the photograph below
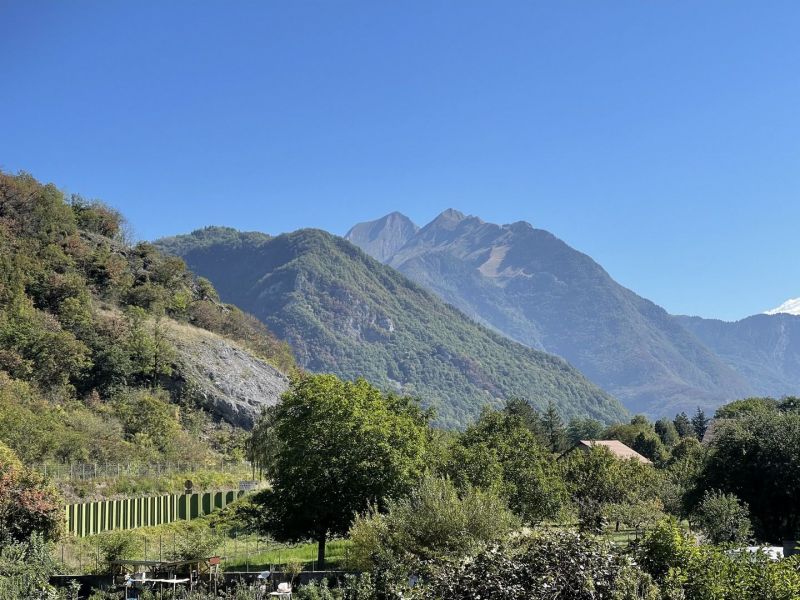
x,y
108,470
80,556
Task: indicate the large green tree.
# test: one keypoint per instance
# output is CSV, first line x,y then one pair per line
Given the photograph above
x,y
500,452
331,448
597,480
757,458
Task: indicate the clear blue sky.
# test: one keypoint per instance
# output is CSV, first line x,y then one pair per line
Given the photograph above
x,y
660,137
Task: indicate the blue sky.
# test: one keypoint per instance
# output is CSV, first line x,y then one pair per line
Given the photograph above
x,y
660,137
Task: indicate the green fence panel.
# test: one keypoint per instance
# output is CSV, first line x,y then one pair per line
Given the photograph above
x,y
89,518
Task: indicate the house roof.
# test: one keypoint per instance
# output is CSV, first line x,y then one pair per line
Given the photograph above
x,y
617,448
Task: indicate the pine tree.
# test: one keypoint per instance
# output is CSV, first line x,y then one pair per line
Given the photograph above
x,y
684,425
554,428
700,423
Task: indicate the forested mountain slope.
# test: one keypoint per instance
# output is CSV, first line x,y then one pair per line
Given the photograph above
x,y
344,312
537,290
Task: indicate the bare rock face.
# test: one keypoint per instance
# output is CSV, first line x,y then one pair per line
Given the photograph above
x,y
232,383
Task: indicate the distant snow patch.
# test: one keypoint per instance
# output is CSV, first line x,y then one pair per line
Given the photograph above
x,y
790,307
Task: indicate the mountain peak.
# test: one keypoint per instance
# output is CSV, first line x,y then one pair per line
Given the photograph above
x,y
451,214
790,307
382,237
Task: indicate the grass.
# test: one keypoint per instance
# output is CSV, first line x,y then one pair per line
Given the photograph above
x,y
255,555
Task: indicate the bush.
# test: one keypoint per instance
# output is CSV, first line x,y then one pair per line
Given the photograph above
x,y
27,504
723,518
666,549
433,522
545,566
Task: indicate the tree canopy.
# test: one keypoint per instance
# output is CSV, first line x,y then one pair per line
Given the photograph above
x,y
332,448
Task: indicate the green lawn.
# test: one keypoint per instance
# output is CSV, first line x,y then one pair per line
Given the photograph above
x,y
255,555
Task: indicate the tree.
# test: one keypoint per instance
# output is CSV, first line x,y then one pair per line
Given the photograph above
x,y
665,429
684,426
596,478
700,423
26,568
649,444
584,429
746,407
554,428
334,448
500,453
723,518
151,353
524,410
757,458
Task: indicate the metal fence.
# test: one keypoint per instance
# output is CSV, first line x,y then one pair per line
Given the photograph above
x,y
107,470
239,554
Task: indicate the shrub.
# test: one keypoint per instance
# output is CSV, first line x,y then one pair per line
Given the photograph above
x,y
546,566
433,522
723,518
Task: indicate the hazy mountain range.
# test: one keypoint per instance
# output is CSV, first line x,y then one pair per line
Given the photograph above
x,y
532,287
463,312
344,312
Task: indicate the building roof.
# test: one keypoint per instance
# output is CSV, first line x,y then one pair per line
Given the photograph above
x,y
617,448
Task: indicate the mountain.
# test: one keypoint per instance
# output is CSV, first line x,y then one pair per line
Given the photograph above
x,y
765,349
790,307
382,238
533,288
344,312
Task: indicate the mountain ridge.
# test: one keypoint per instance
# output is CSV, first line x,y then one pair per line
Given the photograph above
x,y
345,312
534,288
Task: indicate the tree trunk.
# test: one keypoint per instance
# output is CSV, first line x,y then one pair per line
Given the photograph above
x,y
321,551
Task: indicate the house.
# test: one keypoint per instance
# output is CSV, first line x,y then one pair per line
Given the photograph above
x,y
616,448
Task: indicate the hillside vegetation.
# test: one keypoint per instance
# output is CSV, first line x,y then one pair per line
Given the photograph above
x,y
346,313
89,367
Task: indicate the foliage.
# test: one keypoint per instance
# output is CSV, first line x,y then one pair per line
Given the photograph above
x,y
666,550
700,423
714,573
333,447
546,566
82,326
723,518
197,541
434,522
25,570
746,407
683,425
667,432
114,546
499,452
640,435
596,478
28,505
757,458
584,429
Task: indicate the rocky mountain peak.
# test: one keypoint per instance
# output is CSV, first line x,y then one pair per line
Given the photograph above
x,y
383,237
